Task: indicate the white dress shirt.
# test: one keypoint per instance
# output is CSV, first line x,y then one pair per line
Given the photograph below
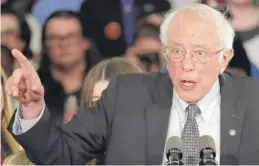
x,y
208,121
20,126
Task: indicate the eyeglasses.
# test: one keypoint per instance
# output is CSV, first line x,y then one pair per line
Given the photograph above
x,y
56,40
177,54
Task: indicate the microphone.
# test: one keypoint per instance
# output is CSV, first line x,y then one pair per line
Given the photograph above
x,y
174,146
207,151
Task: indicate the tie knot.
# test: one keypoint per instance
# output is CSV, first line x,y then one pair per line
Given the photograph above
x,y
193,111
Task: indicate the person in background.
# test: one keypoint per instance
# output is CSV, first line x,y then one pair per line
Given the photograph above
x,y
8,143
114,31
245,20
7,60
65,62
99,76
146,50
15,33
23,8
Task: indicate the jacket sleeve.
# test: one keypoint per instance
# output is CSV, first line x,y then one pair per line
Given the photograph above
x,y
83,138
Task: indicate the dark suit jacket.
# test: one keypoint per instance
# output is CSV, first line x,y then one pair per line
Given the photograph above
x,y
130,124
97,14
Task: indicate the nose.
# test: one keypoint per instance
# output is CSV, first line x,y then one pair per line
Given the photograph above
x,y
187,63
64,42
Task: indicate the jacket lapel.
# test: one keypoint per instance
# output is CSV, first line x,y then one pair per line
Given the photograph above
x,y
157,117
232,117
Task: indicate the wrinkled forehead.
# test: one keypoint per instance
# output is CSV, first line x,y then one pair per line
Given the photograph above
x,y
193,27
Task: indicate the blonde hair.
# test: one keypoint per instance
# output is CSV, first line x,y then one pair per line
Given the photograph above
x,y
18,158
6,114
104,70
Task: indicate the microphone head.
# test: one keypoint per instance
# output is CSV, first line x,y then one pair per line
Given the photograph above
x,y
206,141
174,145
174,142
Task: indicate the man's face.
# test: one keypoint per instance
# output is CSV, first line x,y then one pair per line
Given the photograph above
x,y
64,41
191,32
10,32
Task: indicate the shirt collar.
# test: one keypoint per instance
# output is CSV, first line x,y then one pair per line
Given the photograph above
x,y
205,104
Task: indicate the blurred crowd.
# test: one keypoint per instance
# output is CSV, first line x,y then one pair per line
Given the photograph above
x,y
78,46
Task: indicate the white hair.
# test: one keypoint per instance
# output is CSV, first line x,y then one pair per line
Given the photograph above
x,y
225,31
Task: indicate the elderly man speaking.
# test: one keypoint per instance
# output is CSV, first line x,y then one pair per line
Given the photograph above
x,y
138,113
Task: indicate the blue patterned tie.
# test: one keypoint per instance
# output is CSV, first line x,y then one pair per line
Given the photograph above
x,y
190,136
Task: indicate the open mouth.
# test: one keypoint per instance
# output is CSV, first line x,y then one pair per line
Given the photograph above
x,y
187,84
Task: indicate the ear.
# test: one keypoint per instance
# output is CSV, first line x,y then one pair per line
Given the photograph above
x,y
163,47
225,59
163,51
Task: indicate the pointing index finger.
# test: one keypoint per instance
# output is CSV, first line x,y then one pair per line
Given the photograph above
x,y
23,61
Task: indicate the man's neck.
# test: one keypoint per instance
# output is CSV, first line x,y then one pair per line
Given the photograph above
x,y
70,77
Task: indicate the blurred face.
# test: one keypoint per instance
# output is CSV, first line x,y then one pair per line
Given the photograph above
x,y
64,41
194,35
147,54
147,44
10,32
98,89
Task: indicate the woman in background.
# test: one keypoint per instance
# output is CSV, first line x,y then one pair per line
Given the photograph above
x,y
16,33
98,79
99,76
8,143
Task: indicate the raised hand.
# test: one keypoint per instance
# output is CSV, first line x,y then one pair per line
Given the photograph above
x,y
25,85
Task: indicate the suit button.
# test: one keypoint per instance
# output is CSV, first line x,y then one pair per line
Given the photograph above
x,y
232,132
